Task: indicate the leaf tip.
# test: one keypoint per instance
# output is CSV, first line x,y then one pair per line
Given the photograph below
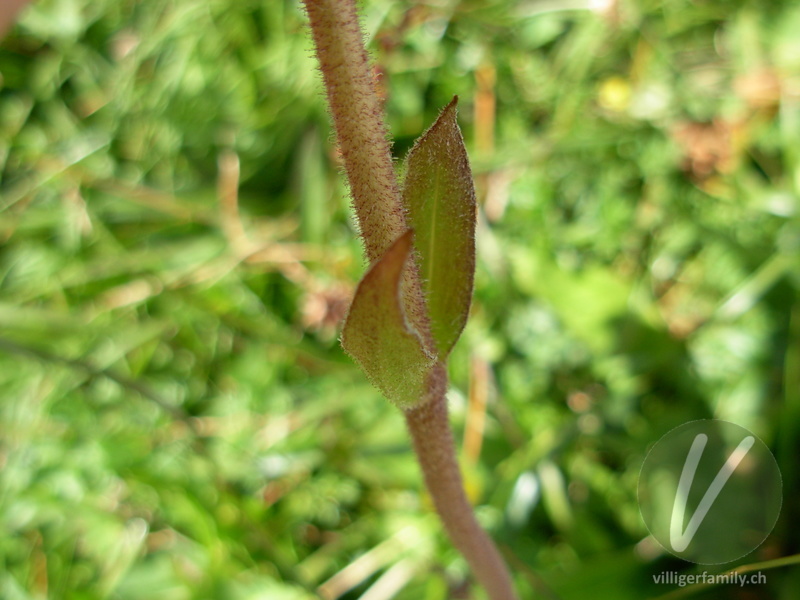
x,y
451,108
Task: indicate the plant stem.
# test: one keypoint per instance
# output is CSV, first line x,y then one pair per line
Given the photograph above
x,y
358,119
363,140
433,444
362,136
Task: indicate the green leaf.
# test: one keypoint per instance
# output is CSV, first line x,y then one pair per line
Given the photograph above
x,y
377,335
440,199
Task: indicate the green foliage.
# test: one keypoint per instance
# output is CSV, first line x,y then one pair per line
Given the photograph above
x,y
177,419
439,196
377,334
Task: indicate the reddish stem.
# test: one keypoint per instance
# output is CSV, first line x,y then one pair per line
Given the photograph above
x,y
358,119
433,444
362,137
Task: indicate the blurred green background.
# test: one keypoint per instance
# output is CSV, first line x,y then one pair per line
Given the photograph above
x,y
177,419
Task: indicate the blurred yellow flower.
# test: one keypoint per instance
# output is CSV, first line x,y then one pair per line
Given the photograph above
x,y
614,94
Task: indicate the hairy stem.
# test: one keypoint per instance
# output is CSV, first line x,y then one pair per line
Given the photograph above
x,y
363,141
358,120
362,136
433,443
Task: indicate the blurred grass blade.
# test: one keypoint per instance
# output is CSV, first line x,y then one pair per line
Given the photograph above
x,y
310,182
440,198
377,336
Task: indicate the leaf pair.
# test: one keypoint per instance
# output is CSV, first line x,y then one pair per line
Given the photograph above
x,y
398,350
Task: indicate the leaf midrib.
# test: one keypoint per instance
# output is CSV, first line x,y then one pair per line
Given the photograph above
x,y
428,276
